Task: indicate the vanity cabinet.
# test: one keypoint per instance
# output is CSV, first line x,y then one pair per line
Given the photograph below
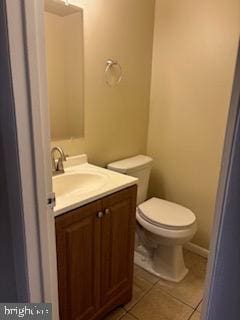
x,y
95,246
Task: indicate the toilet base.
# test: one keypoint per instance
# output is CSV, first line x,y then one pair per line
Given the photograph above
x,y
169,263
145,263
165,262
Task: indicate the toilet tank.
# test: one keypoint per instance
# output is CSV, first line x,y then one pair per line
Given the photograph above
x,y
139,167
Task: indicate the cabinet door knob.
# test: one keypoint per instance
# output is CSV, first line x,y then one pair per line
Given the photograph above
x,y
107,211
100,214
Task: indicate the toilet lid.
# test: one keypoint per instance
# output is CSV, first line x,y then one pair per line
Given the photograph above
x,y
166,214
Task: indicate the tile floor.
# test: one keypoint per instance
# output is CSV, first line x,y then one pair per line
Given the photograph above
x,y
157,299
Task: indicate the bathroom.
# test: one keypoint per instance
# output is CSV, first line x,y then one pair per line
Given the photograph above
x,y
149,83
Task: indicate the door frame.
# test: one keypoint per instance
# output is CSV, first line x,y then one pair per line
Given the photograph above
x,y
25,31
11,196
24,141
226,212
27,58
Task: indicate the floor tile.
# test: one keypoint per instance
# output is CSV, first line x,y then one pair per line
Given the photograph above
x,y
141,273
140,288
128,317
195,316
196,263
116,314
199,308
157,305
189,290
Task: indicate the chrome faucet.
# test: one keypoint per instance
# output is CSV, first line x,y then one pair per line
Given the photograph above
x,y
57,164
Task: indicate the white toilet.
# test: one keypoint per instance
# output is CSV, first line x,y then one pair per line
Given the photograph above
x,y
163,227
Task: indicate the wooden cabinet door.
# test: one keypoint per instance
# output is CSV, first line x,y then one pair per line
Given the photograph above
x,y
117,246
78,255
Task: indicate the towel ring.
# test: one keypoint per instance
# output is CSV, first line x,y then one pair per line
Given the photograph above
x,y
110,64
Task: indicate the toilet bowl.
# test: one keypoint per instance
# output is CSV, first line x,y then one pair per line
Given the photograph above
x,y
166,226
163,227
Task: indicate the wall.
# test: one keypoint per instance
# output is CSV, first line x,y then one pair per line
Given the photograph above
x,y
116,119
195,46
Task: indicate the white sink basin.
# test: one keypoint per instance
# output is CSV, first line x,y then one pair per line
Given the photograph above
x,y
83,183
77,183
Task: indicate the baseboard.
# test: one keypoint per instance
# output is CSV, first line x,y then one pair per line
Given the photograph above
x,y
197,249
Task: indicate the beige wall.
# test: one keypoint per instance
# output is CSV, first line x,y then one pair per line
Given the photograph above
x,y
116,119
195,44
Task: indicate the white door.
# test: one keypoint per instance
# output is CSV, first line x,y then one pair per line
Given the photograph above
x,y
27,56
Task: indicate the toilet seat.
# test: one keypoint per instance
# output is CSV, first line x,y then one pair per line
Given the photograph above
x,y
166,215
166,232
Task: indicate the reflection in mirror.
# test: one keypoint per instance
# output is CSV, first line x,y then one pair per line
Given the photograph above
x,y
64,55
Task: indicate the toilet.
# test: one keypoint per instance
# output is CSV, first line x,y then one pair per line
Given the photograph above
x,y
163,227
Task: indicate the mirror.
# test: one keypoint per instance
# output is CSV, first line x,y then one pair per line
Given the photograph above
x,y
64,57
